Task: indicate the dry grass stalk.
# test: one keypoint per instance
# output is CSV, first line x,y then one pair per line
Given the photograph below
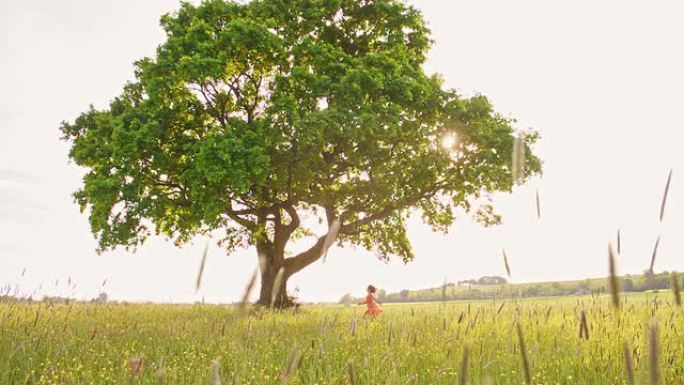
x,y
629,367
523,353
215,372
248,292
351,374
538,205
135,367
518,160
161,376
464,365
198,283
654,374
290,367
619,242
277,282
676,289
655,252
612,278
584,328
508,267
667,188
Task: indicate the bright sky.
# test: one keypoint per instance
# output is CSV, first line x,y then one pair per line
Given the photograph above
x,y
601,81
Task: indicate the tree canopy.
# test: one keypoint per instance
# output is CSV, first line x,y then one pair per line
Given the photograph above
x,y
254,115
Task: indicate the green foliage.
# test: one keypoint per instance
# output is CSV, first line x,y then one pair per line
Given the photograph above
x,y
253,114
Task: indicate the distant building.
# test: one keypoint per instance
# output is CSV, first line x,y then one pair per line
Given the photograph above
x,y
491,280
486,280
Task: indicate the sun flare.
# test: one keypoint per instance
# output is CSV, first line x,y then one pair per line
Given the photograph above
x,y
448,141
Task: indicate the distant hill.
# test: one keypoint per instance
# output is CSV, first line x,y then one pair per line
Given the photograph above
x,y
493,287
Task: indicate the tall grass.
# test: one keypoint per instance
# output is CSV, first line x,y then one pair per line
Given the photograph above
x,y
78,343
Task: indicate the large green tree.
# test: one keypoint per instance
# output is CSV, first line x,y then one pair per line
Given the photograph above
x,y
253,116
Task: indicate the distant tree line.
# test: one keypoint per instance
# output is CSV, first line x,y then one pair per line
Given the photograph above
x,y
102,297
497,287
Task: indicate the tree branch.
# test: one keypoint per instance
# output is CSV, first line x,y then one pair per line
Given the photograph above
x,y
273,209
304,259
387,210
294,217
282,232
206,94
246,223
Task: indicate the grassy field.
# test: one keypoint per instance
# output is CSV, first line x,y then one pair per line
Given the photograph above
x,y
409,344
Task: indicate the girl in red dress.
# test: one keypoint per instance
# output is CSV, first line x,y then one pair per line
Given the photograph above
x,y
373,310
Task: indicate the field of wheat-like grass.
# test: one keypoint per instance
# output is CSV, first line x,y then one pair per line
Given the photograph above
x,y
581,340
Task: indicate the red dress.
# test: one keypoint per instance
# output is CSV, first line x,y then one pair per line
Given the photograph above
x,y
373,309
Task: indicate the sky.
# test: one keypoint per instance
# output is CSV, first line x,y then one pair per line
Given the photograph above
x,y
600,81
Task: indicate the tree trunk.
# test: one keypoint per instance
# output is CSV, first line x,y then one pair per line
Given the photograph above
x,y
271,263
267,296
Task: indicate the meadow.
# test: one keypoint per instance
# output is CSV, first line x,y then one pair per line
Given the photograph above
x,y
570,340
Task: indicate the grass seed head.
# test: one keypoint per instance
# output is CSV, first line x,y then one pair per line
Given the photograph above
x,y
629,367
518,160
198,282
508,267
655,252
350,373
584,328
653,352
523,354
291,367
612,278
331,237
667,188
277,282
161,376
619,242
248,292
464,365
135,366
676,290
